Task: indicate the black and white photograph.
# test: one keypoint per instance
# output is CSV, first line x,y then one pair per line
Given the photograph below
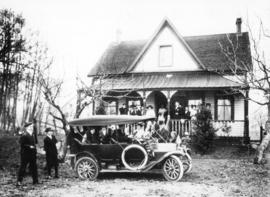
x,y
143,98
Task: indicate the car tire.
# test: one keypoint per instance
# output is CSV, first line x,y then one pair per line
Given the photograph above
x,y
135,146
172,168
87,168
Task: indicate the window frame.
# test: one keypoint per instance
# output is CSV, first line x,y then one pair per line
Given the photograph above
x,y
109,107
231,99
159,56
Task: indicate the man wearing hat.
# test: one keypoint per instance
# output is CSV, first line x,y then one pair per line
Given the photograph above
x,y
51,152
28,153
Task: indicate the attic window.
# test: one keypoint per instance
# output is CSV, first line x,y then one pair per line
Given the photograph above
x,y
165,55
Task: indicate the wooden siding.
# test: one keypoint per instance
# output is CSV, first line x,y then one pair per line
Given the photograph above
x,y
239,108
182,60
236,128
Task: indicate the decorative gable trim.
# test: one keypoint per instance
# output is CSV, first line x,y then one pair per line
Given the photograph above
x,y
165,23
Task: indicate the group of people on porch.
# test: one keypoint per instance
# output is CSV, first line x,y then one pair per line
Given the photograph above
x,y
178,112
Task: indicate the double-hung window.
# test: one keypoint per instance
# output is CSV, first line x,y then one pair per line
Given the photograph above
x,y
224,109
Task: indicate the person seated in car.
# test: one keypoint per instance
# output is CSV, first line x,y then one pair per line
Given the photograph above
x,y
104,136
173,136
112,131
118,134
90,137
162,131
139,132
149,130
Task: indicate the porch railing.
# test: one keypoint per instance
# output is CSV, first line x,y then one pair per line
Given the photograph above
x,y
183,127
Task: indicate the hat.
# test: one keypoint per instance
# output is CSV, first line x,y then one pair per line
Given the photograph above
x,y
48,129
27,124
141,123
150,106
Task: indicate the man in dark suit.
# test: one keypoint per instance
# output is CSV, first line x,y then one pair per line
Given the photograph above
x,y
28,154
51,152
123,110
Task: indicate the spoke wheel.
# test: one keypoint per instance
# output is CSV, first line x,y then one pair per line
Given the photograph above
x,y
87,168
173,168
187,163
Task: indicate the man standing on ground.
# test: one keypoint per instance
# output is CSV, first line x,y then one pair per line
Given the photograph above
x,y
51,152
28,154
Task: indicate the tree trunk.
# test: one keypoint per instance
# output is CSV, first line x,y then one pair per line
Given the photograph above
x,y
63,150
265,142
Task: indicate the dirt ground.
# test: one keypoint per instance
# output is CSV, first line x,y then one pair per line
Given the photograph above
x,y
209,177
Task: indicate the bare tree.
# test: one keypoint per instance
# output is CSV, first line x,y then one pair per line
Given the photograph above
x,y
52,89
12,45
22,60
253,77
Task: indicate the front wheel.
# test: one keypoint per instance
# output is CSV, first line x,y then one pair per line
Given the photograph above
x,y
87,168
187,162
173,168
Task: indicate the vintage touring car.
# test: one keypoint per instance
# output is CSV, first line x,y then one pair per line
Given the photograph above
x,y
129,153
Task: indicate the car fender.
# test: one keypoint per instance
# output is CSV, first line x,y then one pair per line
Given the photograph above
x,y
176,152
151,165
85,153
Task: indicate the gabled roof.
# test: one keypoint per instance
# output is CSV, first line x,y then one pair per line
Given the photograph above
x,y
118,57
208,49
122,57
165,23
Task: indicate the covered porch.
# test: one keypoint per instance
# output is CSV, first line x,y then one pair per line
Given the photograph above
x,y
190,90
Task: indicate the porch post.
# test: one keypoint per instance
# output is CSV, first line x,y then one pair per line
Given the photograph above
x,y
117,106
78,103
169,103
246,124
144,105
93,109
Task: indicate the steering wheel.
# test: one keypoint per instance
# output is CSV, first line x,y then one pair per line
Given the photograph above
x,y
137,140
114,141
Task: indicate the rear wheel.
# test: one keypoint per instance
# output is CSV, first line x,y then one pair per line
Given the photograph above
x,y
87,168
172,168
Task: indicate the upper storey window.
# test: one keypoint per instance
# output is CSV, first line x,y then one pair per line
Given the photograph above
x,y
166,55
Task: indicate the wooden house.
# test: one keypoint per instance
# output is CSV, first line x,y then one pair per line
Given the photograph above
x,y
169,67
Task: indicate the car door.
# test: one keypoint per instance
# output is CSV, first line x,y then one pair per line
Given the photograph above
x,y
111,151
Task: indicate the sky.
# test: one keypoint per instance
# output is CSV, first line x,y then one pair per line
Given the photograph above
x,y
78,31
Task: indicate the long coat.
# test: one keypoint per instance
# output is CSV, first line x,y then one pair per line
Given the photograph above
x,y
28,156
50,149
26,141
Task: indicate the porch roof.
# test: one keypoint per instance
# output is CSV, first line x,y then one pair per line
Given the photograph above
x,y
182,80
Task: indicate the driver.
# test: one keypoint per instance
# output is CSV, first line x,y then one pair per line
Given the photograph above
x,y
119,135
162,133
